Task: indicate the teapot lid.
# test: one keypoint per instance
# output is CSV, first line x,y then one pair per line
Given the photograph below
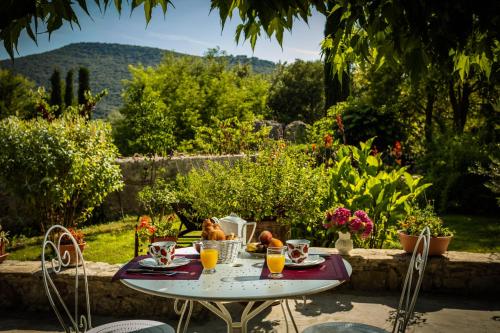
x,y
234,219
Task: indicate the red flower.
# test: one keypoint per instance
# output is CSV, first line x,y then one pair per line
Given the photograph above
x,y
328,140
340,123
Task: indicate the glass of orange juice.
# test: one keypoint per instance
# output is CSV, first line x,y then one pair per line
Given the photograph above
x,y
208,255
275,261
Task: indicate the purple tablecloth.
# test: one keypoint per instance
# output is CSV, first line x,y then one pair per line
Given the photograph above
x,y
194,268
332,269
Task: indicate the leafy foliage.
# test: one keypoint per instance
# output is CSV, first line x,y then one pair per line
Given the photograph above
x,y
110,70
185,94
229,136
17,96
448,165
63,169
297,92
157,200
418,219
357,180
278,185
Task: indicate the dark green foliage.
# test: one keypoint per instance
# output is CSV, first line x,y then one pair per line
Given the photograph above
x,y
55,90
68,89
297,92
83,84
16,95
109,71
449,165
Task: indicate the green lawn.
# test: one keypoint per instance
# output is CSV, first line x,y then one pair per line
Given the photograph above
x,y
114,242
111,242
474,233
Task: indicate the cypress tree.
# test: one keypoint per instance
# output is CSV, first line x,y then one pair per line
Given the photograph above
x,y
55,93
83,84
68,92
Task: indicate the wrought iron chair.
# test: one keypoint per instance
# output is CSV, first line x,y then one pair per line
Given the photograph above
x,y
71,319
406,302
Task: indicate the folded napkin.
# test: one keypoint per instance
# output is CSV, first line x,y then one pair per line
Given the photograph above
x,y
194,269
332,269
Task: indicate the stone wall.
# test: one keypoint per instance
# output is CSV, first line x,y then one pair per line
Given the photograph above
x,y
21,284
138,172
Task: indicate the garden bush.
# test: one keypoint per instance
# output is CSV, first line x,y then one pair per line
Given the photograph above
x,y
449,165
359,180
61,169
275,185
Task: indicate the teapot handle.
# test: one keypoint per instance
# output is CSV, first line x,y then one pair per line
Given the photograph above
x,y
253,230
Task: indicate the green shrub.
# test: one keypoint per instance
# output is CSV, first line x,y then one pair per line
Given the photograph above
x,y
358,181
157,199
275,185
229,136
62,169
449,165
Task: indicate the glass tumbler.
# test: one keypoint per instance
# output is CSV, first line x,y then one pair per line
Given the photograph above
x,y
209,255
276,261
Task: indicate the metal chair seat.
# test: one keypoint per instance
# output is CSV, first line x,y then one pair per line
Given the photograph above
x,y
407,300
143,326
339,327
70,318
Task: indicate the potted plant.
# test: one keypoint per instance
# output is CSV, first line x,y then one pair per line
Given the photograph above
x,y
67,246
415,222
341,220
163,230
3,244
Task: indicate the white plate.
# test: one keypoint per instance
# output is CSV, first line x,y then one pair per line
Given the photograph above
x,y
311,260
151,263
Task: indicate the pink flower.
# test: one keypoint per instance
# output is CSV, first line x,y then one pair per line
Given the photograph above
x,y
362,215
367,229
341,215
355,224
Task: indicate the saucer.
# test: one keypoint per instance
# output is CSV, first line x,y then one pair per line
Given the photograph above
x,y
151,263
310,261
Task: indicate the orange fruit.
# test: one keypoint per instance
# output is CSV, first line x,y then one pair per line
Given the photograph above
x,y
275,243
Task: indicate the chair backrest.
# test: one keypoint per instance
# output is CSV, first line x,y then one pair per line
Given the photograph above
x,y
410,289
53,263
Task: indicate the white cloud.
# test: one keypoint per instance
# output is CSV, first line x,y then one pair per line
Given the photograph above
x,y
178,38
306,52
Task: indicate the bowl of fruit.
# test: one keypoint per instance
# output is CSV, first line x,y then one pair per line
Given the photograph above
x,y
259,249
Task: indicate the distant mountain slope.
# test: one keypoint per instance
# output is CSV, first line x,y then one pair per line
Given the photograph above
x,y
108,66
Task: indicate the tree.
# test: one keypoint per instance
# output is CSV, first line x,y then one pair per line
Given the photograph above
x,y
185,94
297,93
55,91
68,92
83,84
16,95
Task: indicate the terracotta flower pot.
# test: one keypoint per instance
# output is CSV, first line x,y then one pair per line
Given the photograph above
x,y
72,252
437,246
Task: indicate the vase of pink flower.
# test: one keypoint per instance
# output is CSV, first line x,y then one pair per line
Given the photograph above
x,y
346,224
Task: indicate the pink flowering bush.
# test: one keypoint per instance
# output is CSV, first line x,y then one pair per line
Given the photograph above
x,y
341,219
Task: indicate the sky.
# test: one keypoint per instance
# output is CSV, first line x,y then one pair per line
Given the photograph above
x,y
188,28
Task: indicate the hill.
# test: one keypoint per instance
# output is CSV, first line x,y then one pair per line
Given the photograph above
x,y
108,66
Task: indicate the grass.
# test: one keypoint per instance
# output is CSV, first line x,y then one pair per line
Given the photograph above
x,y
473,233
110,242
114,242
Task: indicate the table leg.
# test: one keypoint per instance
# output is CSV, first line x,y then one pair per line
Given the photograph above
x,y
187,305
221,311
291,316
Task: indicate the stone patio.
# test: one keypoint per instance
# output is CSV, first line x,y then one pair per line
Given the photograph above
x,y
434,314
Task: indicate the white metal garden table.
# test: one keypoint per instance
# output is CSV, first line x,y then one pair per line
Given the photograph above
x,y
237,282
